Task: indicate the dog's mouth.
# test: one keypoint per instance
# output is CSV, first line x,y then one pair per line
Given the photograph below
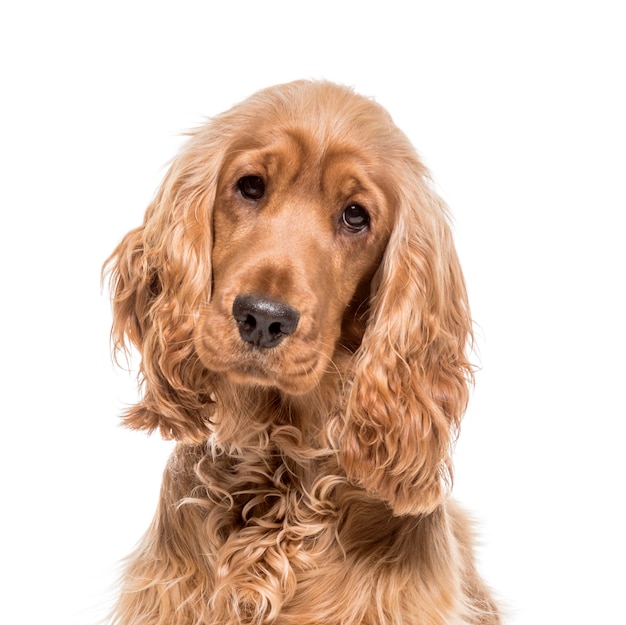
x,y
265,367
290,384
279,362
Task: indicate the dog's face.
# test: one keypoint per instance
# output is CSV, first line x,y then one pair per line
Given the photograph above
x,y
299,228
296,236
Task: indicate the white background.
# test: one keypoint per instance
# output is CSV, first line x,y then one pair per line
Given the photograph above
x,y
519,110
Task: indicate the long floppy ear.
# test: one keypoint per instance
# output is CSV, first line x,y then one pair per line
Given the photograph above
x,y
411,376
159,274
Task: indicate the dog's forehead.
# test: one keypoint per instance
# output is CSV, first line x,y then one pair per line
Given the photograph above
x,y
326,113
321,137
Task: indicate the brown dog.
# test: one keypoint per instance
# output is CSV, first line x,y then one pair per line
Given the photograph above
x,y
302,321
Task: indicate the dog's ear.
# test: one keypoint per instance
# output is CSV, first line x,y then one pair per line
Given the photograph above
x,y
160,274
411,376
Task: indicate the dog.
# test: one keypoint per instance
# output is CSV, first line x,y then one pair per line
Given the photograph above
x,y
303,326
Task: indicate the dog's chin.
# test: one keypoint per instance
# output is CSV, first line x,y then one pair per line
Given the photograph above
x,y
250,375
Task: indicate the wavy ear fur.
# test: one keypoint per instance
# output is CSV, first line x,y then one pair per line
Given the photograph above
x,y
411,377
158,274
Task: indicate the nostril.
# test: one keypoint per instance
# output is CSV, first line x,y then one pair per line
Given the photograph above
x,y
264,322
249,322
275,327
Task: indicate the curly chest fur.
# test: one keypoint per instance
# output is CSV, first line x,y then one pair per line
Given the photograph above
x,y
266,540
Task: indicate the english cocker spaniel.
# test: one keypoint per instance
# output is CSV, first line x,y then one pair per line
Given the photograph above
x,y
302,321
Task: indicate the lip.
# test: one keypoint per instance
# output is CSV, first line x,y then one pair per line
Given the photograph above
x,y
291,383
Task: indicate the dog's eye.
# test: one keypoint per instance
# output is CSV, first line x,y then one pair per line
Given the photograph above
x,y
355,218
251,187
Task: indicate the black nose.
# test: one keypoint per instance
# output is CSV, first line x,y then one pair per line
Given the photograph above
x,y
264,322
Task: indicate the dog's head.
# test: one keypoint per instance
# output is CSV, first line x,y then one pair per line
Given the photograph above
x,y
296,236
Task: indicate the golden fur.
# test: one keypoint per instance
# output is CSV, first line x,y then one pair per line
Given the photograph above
x,y
310,482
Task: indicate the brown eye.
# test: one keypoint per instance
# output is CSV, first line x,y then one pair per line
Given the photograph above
x,y
355,218
251,187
